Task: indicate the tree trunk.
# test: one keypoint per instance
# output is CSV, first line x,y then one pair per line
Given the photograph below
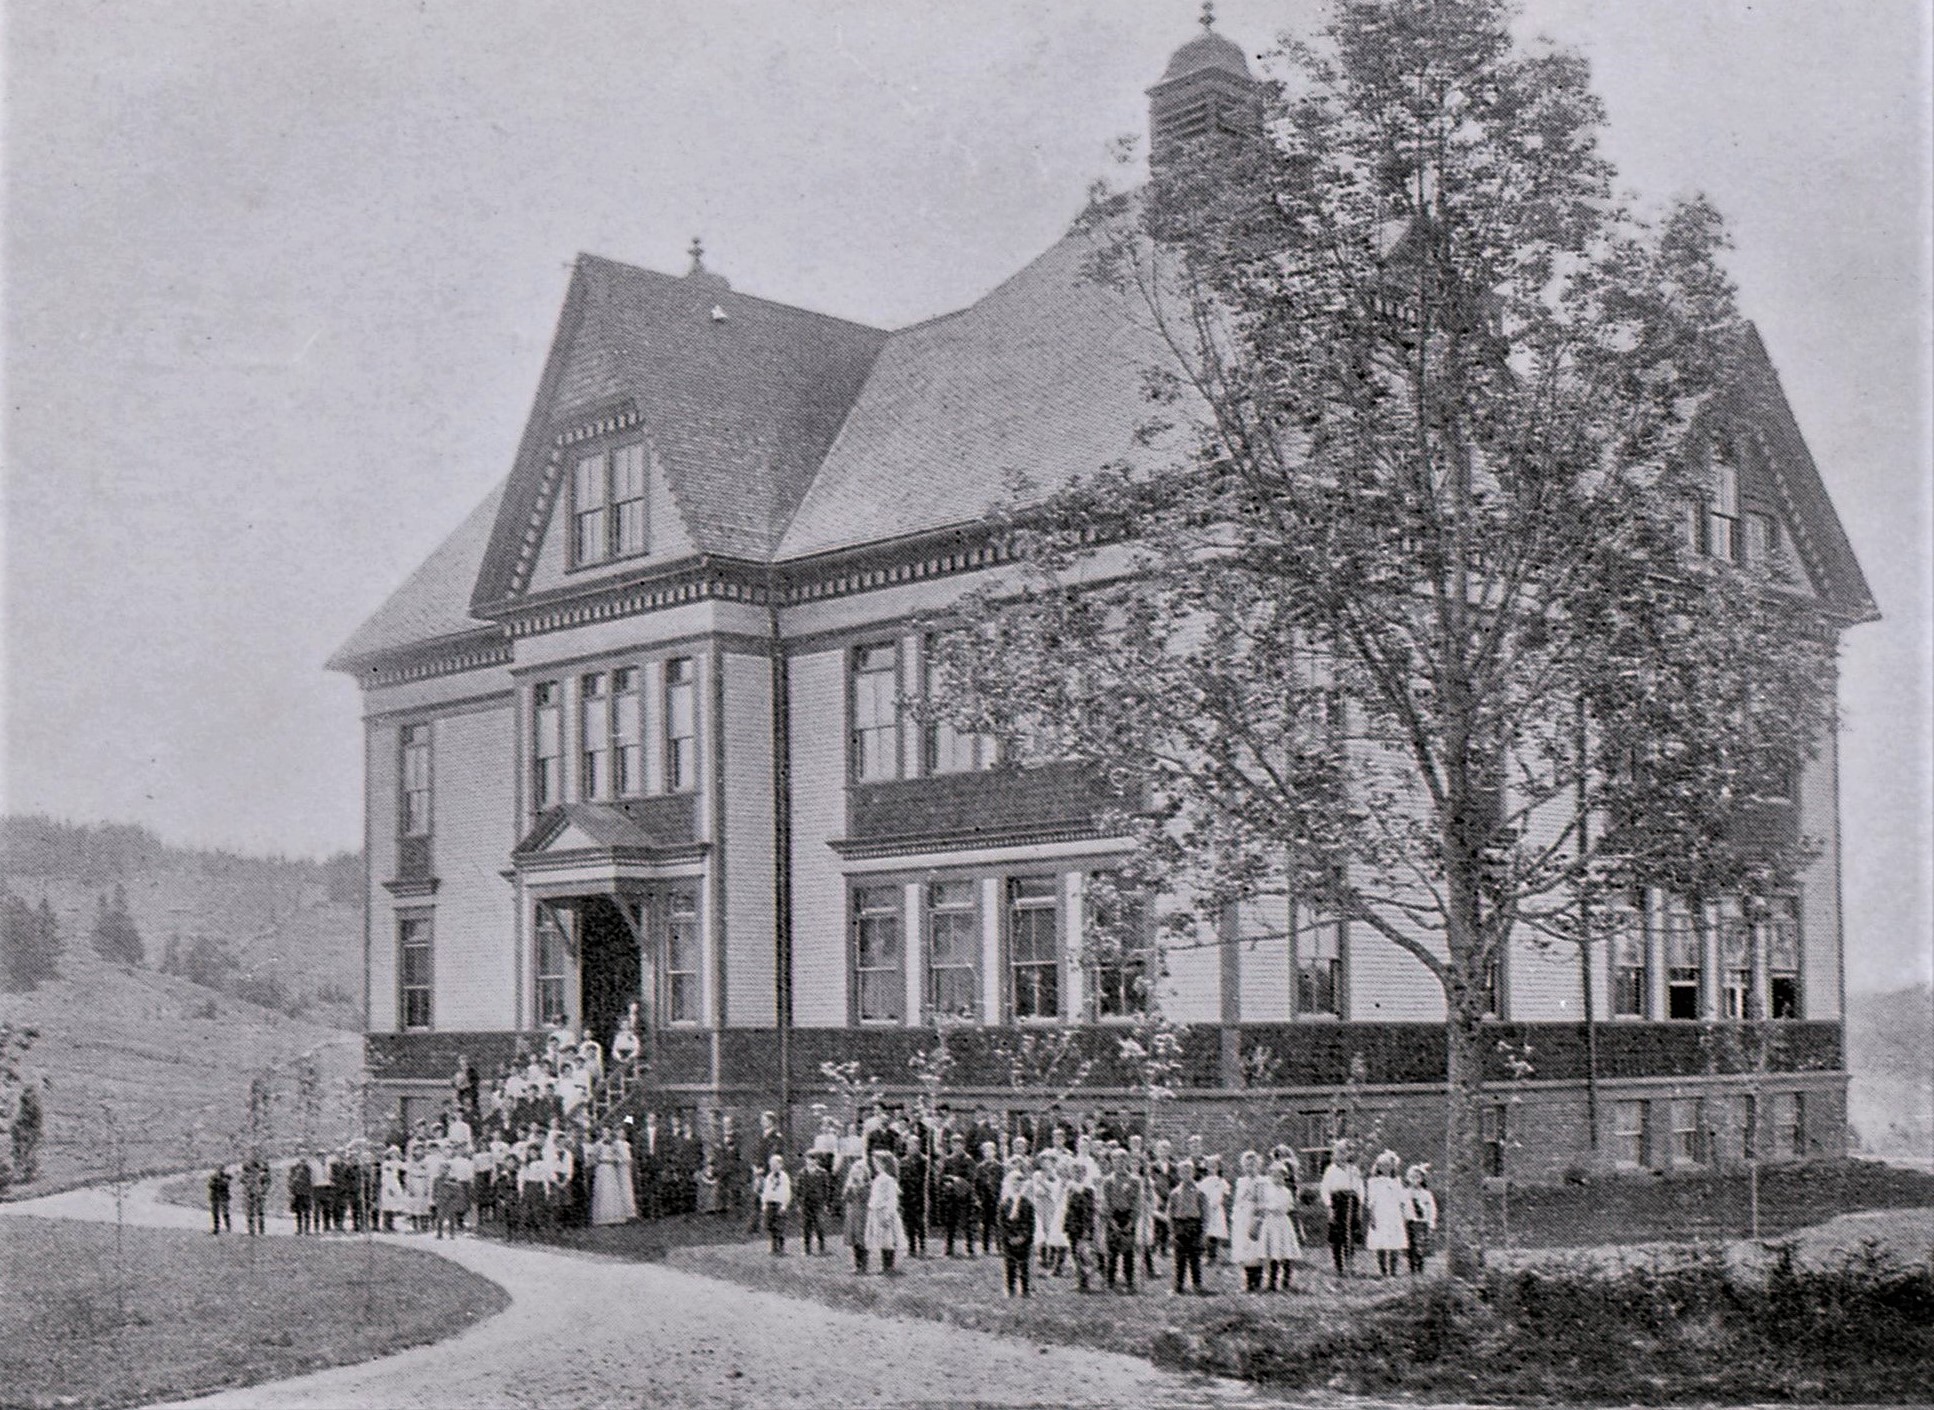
x,y
1462,1185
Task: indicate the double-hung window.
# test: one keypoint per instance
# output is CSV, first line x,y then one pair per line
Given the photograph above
x,y
1628,1133
681,725
553,968
627,732
683,952
1319,967
1789,1123
953,949
879,951
1723,538
1122,977
547,746
1783,958
1735,962
1034,946
413,988
1682,962
950,750
608,506
1688,1146
876,713
416,781
594,735
1631,975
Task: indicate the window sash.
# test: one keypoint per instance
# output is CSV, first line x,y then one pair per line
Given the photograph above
x,y
1685,1130
1628,1132
416,781
594,726
547,748
953,949
1034,947
627,732
414,971
552,968
684,953
681,725
878,954
628,500
876,713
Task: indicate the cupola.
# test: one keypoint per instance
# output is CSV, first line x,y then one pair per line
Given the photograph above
x,y
1207,88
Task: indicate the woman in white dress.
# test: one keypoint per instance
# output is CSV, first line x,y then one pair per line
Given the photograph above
x,y
608,1182
1215,1207
1384,1207
416,1186
392,1198
1279,1244
1245,1221
886,1232
1055,1243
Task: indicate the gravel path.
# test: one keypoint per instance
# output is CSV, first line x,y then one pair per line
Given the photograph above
x,y
584,1331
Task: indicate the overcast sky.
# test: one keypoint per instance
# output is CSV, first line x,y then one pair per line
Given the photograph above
x,y
280,277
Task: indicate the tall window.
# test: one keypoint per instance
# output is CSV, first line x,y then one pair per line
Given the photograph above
x,y
1783,958
879,953
1789,1123
876,713
1631,979
948,750
1682,962
547,747
594,711
628,732
413,938
1628,1133
553,968
1729,1124
1123,981
1722,519
1686,1143
608,506
1496,1137
1762,538
681,725
683,952
416,781
1319,968
1735,962
1034,946
953,948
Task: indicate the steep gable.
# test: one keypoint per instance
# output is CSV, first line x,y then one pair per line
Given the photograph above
x,y
737,398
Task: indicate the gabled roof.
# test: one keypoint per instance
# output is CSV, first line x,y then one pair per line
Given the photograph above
x,y
1758,402
589,827
739,397
434,601
1045,376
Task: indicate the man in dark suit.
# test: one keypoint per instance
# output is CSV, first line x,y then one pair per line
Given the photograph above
x,y
645,1160
301,1194
913,1198
1121,1204
957,1200
988,1175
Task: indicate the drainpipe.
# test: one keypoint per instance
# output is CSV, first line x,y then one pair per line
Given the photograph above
x,y
781,847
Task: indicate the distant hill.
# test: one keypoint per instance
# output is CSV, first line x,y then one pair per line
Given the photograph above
x,y
286,933
173,1062
1890,1051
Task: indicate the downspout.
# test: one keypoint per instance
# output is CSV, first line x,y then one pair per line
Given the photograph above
x,y
781,846
1585,944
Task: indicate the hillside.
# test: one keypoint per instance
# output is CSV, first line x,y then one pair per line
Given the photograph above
x,y
1890,1051
283,932
173,1062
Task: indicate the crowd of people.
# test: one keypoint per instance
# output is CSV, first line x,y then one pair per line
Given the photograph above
x,y
531,1154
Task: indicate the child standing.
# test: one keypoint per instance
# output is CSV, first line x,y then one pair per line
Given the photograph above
x,y
855,1194
1420,1216
1386,1210
1342,1192
218,1205
1215,1208
815,1192
1184,1218
1018,1218
775,1198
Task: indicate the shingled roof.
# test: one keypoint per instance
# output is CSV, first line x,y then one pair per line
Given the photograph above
x,y
740,397
434,602
1045,376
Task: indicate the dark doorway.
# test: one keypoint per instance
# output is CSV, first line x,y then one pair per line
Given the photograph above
x,y
609,966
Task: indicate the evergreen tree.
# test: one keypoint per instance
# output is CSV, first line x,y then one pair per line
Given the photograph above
x,y
115,936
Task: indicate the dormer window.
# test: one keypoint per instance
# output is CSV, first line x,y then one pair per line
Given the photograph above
x,y
608,506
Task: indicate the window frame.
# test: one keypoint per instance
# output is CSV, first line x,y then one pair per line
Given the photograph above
x,y
891,735
680,748
1679,926
684,987
550,920
932,911
1306,954
408,748
1636,1107
1687,1115
596,775
1141,959
407,923
1051,905
890,908
547,787
979,747
609,510
627,757
1786,907
1628,936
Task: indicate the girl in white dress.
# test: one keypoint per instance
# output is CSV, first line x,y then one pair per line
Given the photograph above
x,y
416,1186
1215,1207
1245,1221
1279,1244
886,1232
1056,1241
392,1198
1384,1207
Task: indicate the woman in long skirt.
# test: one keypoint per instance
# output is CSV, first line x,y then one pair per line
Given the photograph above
x,y
1215,1208
1279,1243
886,1232
608,1180
854,1197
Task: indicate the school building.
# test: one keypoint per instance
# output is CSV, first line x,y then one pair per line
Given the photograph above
x,y
638,729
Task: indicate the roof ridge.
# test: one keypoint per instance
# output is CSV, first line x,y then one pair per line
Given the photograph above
x,y
678,280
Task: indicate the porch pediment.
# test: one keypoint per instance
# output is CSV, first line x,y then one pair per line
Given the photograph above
x,y
610,841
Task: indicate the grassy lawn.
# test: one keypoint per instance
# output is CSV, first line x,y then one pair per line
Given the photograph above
x,y
193,1314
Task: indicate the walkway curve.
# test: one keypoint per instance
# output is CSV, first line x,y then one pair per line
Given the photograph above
x,y
589,1332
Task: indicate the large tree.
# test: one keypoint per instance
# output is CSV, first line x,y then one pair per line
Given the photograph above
x,y
1414,631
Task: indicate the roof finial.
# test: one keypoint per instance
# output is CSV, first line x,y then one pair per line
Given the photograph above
x,y
1208,14
697,252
